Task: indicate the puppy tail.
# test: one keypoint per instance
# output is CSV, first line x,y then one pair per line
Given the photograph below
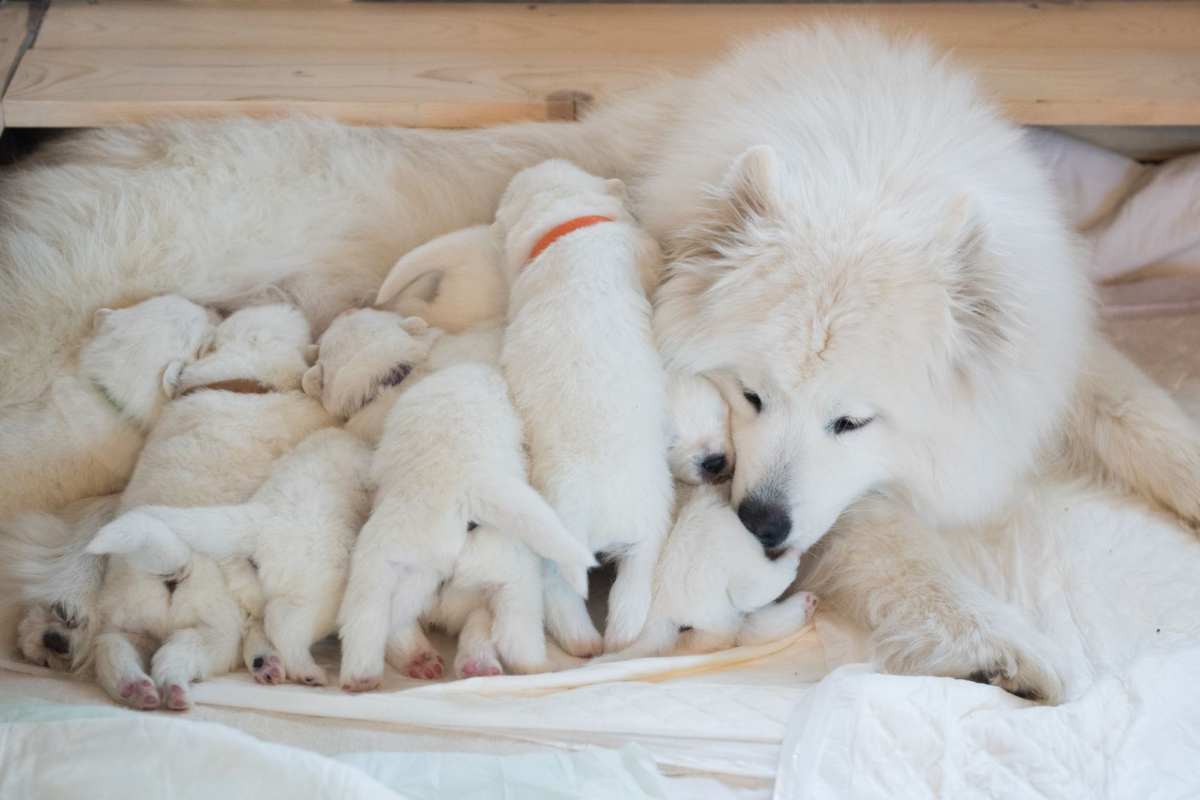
x,y
514,507
160,539
657,638
432,259
43,559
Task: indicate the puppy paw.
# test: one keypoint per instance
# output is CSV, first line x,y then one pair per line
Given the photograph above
x,y
584,645
311,676
139,693
361,683
479,668
425,665
174,697
811,601
268,670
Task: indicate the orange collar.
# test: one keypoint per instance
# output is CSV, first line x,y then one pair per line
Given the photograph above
x,y
558,231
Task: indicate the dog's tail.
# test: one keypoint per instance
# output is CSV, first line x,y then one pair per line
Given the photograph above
x,y
658,637
43,560
512,506
426,264
161,539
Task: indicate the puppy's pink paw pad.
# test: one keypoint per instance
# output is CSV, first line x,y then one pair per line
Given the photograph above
x,y
175,697
479,668
425,666
810,602
140,694
268,670
361,684
313,678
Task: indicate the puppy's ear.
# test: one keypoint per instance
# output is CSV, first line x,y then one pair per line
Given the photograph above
x,y
616,187
99,317
752,187
414,326
311,353
171,378
313,381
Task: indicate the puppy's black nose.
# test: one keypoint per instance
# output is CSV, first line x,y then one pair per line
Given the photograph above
x,y
767,521
714,465
55,642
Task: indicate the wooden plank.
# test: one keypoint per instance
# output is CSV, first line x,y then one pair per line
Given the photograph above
x,y
471,64
13,20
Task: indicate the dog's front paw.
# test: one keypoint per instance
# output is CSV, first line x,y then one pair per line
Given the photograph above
x,y
267,669
425,665
139,693
174,697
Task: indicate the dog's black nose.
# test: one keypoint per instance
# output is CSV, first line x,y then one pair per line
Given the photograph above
x,y
55,642
767,521
714,465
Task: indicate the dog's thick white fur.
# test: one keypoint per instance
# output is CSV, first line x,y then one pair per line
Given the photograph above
x,y
298,529
455,525
835,105
580,358
45,570
453,282
715,586
83,437
210,446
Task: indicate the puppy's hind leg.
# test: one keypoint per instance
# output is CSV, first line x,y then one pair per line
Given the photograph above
x,y
293,627
518,630
476,655
121,670
363,621
259,655
191,654
567,616
408,649
629,600
777,620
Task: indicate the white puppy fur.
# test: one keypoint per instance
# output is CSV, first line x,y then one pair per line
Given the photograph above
x,y
298,530
453,282
715,586
44,568
82,440
209,446
701,444
455,526
580,358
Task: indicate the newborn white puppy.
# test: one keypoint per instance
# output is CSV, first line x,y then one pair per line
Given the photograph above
x,y
452,511
586,378
84,438
452,282
215,444
44,568
297,530
701,444
715,586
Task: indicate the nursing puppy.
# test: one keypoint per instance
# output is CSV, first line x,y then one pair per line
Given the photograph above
x,y
83,439
239,411
297,530
701,448
45,569
715,586
454,528
586,378
452,282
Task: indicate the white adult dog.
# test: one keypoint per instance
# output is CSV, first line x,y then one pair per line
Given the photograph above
x,y
580,359
83,439
835,105
298,530
455,526
240,410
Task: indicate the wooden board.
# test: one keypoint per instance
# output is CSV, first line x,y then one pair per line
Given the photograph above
x,y
12,35
470,64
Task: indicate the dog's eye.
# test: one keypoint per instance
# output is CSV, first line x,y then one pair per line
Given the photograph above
x,y
754,400
847,424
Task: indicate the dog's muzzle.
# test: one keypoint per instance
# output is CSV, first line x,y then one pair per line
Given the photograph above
x,y
768,521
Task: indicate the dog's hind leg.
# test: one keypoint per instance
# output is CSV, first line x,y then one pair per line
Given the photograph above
x,y
883,569
1137,432
567,616
476,655
191,654
629,600
408,649
292,626
777,620
121,670
363,620
518,629
259,654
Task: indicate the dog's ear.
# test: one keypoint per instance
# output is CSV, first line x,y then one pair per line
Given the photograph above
x,y
752,187
616,187
171,378
311,353
99,317
313,381
973,284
